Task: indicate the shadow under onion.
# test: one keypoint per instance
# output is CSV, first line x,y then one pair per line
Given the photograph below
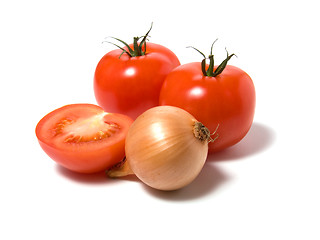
x,y
208,181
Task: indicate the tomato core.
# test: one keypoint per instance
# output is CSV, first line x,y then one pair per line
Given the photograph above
x,y
86,129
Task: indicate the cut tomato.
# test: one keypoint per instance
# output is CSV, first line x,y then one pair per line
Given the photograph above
x,y
83,138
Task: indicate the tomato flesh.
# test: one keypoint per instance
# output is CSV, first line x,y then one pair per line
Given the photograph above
x,y
83,138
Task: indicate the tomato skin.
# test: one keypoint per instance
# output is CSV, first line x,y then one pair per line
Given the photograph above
x,y
131,85
227,100
90,156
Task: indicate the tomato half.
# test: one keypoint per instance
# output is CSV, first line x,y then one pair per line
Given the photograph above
x,y
226,101
83,138
131,85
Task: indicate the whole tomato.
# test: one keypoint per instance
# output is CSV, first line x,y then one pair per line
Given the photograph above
x,y
221,97
128,80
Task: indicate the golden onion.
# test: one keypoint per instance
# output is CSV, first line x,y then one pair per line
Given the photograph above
x,y
166,148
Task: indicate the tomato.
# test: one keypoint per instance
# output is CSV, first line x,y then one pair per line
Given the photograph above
x,y
131,84
83,138
225,102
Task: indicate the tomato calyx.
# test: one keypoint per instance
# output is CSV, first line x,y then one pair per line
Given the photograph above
x,y
139,48
210,72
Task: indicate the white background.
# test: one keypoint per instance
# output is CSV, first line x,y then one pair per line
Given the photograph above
x,y
265,187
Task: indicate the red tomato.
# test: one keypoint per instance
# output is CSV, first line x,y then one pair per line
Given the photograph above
x,y
226,100
131,85
83,138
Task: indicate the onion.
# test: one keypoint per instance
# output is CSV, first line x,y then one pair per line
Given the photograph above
x,y
166,148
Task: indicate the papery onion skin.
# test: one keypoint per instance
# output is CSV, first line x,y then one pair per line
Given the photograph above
x,y
162,149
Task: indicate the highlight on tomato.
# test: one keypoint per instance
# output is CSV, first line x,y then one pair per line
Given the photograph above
x,y
128,80
83,138
221,97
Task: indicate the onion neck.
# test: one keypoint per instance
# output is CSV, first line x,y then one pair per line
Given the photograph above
x,y
201,132
121,169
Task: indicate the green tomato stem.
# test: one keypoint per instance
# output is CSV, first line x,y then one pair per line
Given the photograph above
x,y
137,47
210,68
210,71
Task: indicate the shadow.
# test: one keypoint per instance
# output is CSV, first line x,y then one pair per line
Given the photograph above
x,y
258,139
208,181
94,178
